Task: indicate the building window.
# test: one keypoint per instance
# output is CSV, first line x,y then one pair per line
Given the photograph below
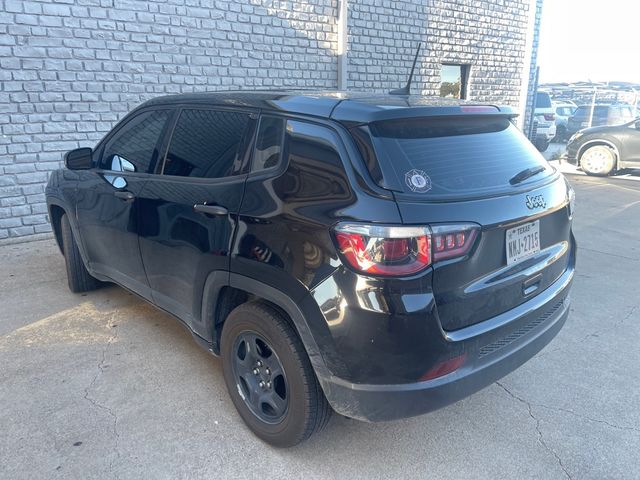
x,y
454,80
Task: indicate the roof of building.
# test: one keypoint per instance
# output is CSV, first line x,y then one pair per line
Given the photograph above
x,y
347,107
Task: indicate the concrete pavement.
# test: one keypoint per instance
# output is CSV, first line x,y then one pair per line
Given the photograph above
x,y
103,385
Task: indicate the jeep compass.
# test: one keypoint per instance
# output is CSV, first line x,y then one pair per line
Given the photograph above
x,y
380,256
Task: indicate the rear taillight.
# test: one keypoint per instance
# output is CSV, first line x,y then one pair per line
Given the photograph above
x,y
450,241
550,117
380,250
401,250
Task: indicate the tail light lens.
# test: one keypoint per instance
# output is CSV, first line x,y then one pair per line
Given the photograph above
x,y
550,117
401,250
450,241
380,250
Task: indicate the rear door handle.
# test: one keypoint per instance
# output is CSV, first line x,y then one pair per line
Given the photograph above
x,y
126,196
210,209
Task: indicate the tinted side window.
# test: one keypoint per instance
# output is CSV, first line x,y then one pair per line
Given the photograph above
x,y
312,144
206,144
134,147
315,169
580,113
268,143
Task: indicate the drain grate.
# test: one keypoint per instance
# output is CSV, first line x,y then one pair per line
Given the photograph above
x,y
513,336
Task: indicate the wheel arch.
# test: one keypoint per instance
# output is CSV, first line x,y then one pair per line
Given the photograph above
x,y
55,217
599,141
224,291
57,208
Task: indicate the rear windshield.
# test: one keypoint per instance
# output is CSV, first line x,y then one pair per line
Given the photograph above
x,y
451,157
543,100
565,111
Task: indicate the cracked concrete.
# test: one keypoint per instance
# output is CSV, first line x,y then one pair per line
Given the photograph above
x,y
95,402
537,426
105,386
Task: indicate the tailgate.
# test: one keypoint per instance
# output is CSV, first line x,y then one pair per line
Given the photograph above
x,y
483,283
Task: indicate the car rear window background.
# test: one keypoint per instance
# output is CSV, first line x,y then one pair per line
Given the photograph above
x,y
543,100
585,111
461,157
566,111
604,114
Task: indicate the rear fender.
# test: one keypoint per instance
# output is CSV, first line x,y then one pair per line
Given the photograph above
x,y
73,222
296,311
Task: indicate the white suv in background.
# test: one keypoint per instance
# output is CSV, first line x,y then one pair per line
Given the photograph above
x,y
545,117
564,109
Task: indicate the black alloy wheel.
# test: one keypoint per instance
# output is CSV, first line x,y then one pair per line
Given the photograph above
x,y
269,376
260,378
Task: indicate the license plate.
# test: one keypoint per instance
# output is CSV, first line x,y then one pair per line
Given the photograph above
x,y
522,241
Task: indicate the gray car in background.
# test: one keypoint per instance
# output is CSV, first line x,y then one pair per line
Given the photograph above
x,y
603,115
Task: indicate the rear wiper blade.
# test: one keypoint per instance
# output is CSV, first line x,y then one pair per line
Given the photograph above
x,y
526,173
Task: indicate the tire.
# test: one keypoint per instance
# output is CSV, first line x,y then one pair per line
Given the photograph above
x,y
255,337
598,160
78,278
542,145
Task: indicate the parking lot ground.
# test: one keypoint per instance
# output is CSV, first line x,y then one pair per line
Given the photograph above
x,y
103,385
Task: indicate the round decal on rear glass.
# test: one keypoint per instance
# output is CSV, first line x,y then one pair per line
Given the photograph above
x,y
417,181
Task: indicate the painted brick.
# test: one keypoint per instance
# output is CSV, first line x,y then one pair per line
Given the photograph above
x,y
21,231
10,222
70,69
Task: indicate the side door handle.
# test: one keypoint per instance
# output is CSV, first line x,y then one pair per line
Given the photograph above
x,y
124,195
210,209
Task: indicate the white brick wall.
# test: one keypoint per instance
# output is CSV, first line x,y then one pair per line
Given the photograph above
x,y
490,36
69,69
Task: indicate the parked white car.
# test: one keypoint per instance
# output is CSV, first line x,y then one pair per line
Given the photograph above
x,y
546,121
563,110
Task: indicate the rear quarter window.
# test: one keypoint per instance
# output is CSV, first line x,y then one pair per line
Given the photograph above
x,y
451,157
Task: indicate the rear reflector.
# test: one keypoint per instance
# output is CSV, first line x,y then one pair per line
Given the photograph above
x,y
401,250
443,368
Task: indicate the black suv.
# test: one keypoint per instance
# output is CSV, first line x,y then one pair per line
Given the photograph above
x,y
380,256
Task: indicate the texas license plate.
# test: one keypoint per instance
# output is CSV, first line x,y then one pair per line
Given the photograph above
x,y
522,241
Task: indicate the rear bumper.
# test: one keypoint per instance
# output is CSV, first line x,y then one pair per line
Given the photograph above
x,y
493,349
546,131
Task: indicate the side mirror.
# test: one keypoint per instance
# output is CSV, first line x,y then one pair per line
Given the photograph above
x,y
78,159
